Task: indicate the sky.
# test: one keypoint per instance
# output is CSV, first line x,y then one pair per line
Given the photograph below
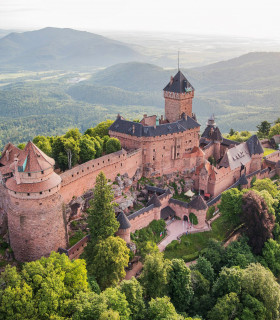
x,y
253,18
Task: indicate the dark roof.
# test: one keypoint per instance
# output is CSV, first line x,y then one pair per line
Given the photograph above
x,y
138,130
180,84
278,164
154,200
198,203
179,202
243,180
123,221
254,145
141,211
227,142
155,189
212,133
167,212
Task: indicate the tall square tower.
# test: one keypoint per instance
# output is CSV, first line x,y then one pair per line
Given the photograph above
x,y
178,95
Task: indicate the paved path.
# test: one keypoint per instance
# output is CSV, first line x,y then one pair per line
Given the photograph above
x,y
176,229
132,273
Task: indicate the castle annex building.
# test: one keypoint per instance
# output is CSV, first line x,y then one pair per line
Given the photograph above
x,y
34,197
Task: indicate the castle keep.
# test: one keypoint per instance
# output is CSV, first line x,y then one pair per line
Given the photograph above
x,y
34,197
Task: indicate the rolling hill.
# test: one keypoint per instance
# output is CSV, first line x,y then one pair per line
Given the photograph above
x,y
55,48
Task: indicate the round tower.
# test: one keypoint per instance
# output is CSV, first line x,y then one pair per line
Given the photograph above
x,y
35,210
125,227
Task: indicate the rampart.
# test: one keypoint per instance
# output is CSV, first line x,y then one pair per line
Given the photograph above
x,y
78,180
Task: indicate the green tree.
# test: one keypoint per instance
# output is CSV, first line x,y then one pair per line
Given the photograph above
x,y
266,184
229,280
270,202
101,130
21,146
110,257
231,205
73,133
227,307
43,289
87,149
116,301
113,145
88,305
277,121
154,277
72,149
134,296
110,315
145,248
238,253
102,221
231,132
215,253
200,285
263,129
275,130
43,143
271,256
162,309
179,285
260,283
205,268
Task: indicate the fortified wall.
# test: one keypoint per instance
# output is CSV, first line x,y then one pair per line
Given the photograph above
x,y
78,180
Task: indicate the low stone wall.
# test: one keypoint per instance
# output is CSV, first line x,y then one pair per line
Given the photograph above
x,y
77,249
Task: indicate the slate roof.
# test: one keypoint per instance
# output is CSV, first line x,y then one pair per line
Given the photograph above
x,y
254,145
236,157
123,221
155,189
278,164
243,180
198,203
227,142
179,202
137,129
154,200
215,135
167,212
180,84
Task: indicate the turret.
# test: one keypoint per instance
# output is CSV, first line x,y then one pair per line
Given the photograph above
x,y
35,211
124,228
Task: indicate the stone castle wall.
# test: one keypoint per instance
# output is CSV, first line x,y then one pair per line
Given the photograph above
x,y
162,154
78,180
176,104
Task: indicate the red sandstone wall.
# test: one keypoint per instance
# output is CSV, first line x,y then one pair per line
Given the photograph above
x,y
176,104
143,220
275,156
163,154
78,180
36,227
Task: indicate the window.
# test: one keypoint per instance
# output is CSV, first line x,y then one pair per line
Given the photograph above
x,y
28,194
29,174
41,192
42,172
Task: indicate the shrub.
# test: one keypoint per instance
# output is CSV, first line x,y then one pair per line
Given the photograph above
x,y
193,218
210,213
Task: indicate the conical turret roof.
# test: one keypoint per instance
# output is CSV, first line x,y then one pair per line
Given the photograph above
x,y
123,221
154,200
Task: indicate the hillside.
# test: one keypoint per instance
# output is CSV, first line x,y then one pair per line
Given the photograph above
x,y
54,48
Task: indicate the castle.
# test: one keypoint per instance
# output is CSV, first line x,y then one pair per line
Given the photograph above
x,y
34,197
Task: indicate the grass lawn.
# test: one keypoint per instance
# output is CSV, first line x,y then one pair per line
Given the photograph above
x,y
192,244
181,197
268,151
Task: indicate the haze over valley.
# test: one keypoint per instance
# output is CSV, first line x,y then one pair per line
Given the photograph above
x,y
54,79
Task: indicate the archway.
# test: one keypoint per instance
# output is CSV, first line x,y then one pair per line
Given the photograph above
x,y
186,218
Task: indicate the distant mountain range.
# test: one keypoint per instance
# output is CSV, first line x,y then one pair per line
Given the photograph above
x,y
54,48
244,88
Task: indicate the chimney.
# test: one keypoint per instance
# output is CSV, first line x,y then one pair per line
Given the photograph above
x,y
145,115
171,80
133,129
17,177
